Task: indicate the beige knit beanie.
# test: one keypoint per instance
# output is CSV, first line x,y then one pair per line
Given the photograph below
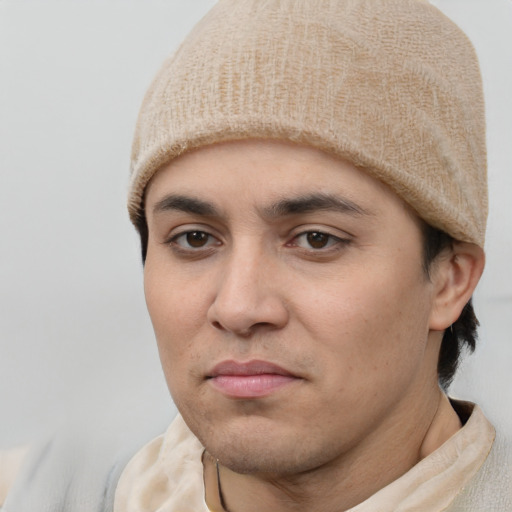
x,y
391,85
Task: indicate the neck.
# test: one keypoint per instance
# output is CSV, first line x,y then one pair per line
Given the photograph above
x,y
344,482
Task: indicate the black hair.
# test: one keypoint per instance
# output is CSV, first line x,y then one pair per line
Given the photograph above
x,y
142,227
462,334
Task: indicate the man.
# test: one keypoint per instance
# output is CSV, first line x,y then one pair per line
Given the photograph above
x,y
309,186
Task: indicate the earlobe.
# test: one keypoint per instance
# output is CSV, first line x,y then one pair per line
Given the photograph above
x,y
455,280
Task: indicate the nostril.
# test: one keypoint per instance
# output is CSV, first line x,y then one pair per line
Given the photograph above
x,y
217,325
247,314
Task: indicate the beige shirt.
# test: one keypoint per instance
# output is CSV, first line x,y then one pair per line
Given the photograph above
x,y
167,476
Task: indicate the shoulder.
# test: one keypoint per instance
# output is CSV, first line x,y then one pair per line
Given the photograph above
x,y
68,471
167,474
491,487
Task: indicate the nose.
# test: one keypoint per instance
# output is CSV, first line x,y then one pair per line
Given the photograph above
x,y
249,298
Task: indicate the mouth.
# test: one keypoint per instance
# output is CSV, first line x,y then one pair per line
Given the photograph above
x,y
252,379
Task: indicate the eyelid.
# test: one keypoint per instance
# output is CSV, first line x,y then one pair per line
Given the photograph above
x,y
186,233
319,228
186,227
337,241
183,230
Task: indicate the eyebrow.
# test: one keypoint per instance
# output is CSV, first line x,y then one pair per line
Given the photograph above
x,y
312,203
288,206
185,204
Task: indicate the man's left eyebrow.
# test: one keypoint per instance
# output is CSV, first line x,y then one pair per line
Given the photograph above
x,y
312,203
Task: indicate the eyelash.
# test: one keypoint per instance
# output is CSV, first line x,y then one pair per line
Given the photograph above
x,y
174,241
332,243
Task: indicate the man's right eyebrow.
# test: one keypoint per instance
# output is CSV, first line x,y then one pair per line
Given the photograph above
x,y
185,204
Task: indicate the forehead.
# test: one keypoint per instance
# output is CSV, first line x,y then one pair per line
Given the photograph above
x,y
265,171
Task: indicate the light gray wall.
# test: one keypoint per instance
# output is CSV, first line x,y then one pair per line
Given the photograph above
x,y
74,335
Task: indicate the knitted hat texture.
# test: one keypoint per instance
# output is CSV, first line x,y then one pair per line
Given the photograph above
x,y
391,85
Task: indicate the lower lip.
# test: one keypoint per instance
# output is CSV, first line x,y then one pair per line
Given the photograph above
x,y
250,386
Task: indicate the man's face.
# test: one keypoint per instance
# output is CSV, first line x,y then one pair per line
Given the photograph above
x,y
289,303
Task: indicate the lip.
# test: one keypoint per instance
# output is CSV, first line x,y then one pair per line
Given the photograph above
x,y
251,379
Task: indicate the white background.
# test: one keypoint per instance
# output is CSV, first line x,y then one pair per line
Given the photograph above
x,y
75,339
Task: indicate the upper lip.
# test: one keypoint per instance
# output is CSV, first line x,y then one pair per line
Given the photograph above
x,y
254,367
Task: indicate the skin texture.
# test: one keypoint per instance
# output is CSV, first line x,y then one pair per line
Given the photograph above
x,y
240,267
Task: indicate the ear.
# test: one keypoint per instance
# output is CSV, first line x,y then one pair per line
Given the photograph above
x,y
455,277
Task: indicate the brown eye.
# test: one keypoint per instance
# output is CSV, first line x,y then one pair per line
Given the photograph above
x,y
197,239
317,240
193,241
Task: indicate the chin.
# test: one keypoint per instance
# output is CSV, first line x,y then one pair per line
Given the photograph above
x,y
264,451
252,460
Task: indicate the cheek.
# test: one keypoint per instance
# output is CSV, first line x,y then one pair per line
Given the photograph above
x,y
375,324
172,335
175,312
